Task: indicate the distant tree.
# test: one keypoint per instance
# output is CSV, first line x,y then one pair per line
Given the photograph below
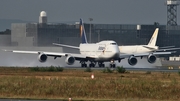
x,y
7,31
156,23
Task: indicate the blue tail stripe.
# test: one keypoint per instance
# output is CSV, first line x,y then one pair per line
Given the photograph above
x,y
82,32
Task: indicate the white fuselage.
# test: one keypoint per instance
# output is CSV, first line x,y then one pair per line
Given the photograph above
x,y
131,49
102,51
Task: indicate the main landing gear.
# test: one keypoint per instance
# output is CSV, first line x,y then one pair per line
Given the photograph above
x,y
92,64
101,64
83,64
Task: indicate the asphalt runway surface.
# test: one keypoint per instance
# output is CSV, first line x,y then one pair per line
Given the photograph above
x,y
27,100
155,69
163,69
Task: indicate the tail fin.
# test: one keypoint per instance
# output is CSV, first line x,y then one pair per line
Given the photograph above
x,y
82,32
153,40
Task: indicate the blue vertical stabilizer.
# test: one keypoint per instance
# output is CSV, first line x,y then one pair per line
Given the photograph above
x,y
82,32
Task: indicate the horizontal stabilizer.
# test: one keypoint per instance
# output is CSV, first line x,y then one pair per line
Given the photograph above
x,y
151,48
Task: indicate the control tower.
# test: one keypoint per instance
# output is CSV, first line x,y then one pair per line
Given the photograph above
x,y
43,17
172,12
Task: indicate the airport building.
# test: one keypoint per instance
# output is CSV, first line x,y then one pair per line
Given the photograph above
x,y
36,34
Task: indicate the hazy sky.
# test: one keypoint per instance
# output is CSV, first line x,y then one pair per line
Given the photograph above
x,y
102,11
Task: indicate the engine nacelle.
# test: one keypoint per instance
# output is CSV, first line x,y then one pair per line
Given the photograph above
x,y
132,60
42,58
151,58
70,60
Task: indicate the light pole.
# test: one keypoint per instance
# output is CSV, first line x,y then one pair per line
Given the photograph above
x,y
98,35
90,19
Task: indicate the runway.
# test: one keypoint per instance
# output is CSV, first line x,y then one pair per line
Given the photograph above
x,y
159,69
155,69
27,100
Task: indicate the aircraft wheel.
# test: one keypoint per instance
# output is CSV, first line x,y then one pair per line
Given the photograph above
x,y
93,65
110,65
114,65
90,65
83,65
101,64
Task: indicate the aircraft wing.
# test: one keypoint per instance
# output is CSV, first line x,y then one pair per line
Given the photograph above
x,y
167,49
155,53
54,54
62,45
161,49
122,56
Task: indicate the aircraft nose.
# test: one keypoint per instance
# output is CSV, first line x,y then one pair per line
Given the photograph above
x,y
116,50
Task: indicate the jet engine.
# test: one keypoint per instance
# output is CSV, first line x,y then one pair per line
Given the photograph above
x,y
70,60
132,60
151,58
42,58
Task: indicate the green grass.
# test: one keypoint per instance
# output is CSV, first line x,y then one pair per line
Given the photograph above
x,y
121,69
88,69
107,70
47,69
77,84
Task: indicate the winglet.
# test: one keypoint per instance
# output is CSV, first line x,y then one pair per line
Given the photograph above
x,y
153,40
7,50
82,32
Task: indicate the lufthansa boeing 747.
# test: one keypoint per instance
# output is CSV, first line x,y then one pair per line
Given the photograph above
x,y
103,51
130,52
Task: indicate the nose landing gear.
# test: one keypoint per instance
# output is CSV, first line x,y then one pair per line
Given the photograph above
x,y
112,64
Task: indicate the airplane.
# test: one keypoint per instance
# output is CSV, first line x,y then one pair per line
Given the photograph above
x,y
129,52
150,48
103,51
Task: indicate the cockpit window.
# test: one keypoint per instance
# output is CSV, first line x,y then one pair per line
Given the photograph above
x,y
113,43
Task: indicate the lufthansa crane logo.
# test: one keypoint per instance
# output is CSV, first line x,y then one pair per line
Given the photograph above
x,y
81,30
101,48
